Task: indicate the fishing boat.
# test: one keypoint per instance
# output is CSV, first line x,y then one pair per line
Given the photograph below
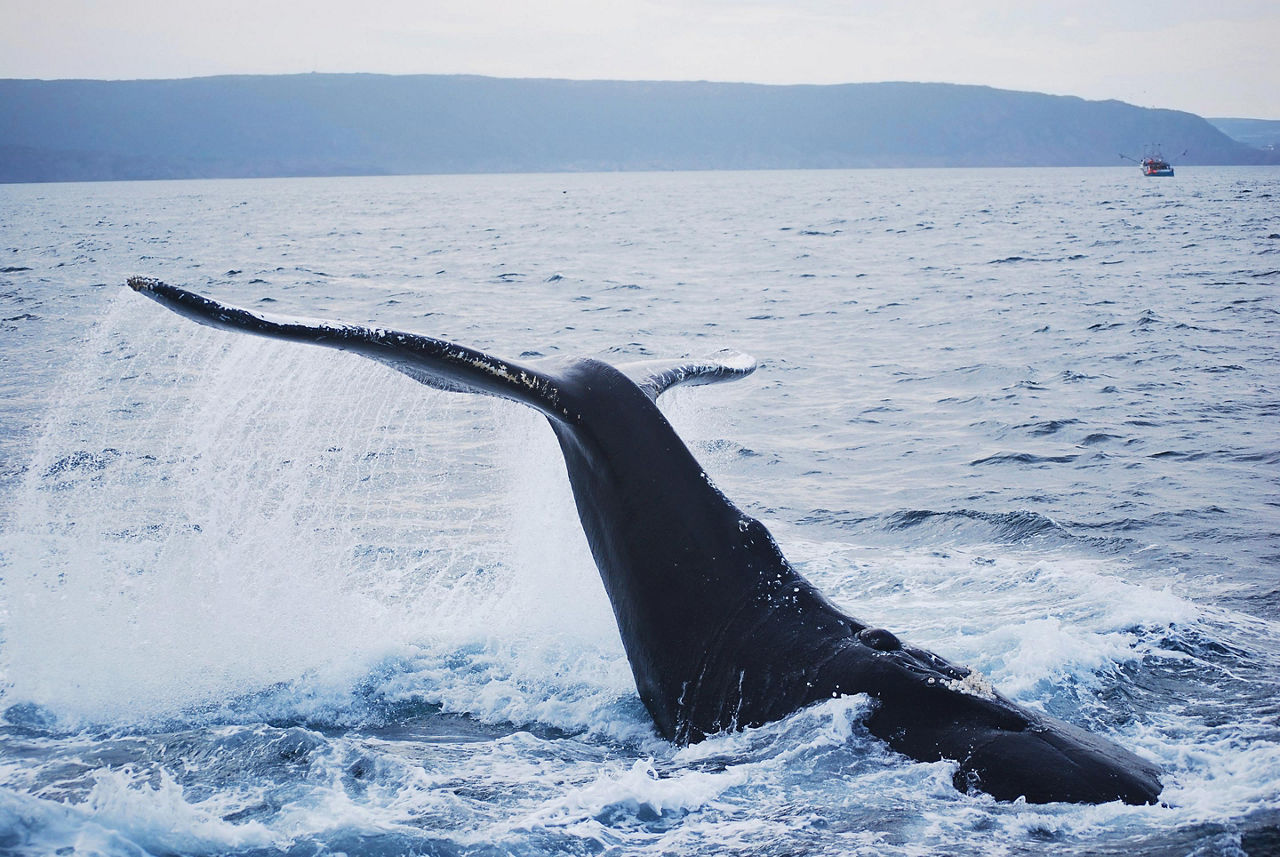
x,y
1152,163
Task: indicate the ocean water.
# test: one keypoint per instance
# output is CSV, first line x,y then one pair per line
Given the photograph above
x,y
259,598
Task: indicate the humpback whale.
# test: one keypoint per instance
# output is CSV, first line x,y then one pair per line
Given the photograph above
x,y
720,631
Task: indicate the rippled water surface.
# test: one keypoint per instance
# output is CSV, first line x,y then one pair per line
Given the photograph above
x,y
260,598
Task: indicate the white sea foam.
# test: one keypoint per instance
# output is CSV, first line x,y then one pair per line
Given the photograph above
x,y
640,790
130,812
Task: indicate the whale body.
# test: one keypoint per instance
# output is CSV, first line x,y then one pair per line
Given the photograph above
x,y
720,631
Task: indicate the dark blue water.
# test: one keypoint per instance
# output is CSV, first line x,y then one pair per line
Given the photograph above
x,y
260,598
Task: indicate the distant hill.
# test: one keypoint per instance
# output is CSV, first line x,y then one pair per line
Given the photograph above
x,y
359,124
1259,133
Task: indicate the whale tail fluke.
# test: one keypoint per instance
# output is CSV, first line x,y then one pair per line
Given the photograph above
x,y
440,364
655,377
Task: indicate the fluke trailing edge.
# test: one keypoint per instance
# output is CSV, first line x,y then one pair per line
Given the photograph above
x,y
720,631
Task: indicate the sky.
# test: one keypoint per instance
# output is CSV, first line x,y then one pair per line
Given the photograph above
x,y
1215,58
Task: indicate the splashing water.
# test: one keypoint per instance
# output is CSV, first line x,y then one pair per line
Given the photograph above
x,y
264,518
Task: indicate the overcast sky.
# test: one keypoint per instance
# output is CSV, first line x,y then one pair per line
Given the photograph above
x,y
1211,57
